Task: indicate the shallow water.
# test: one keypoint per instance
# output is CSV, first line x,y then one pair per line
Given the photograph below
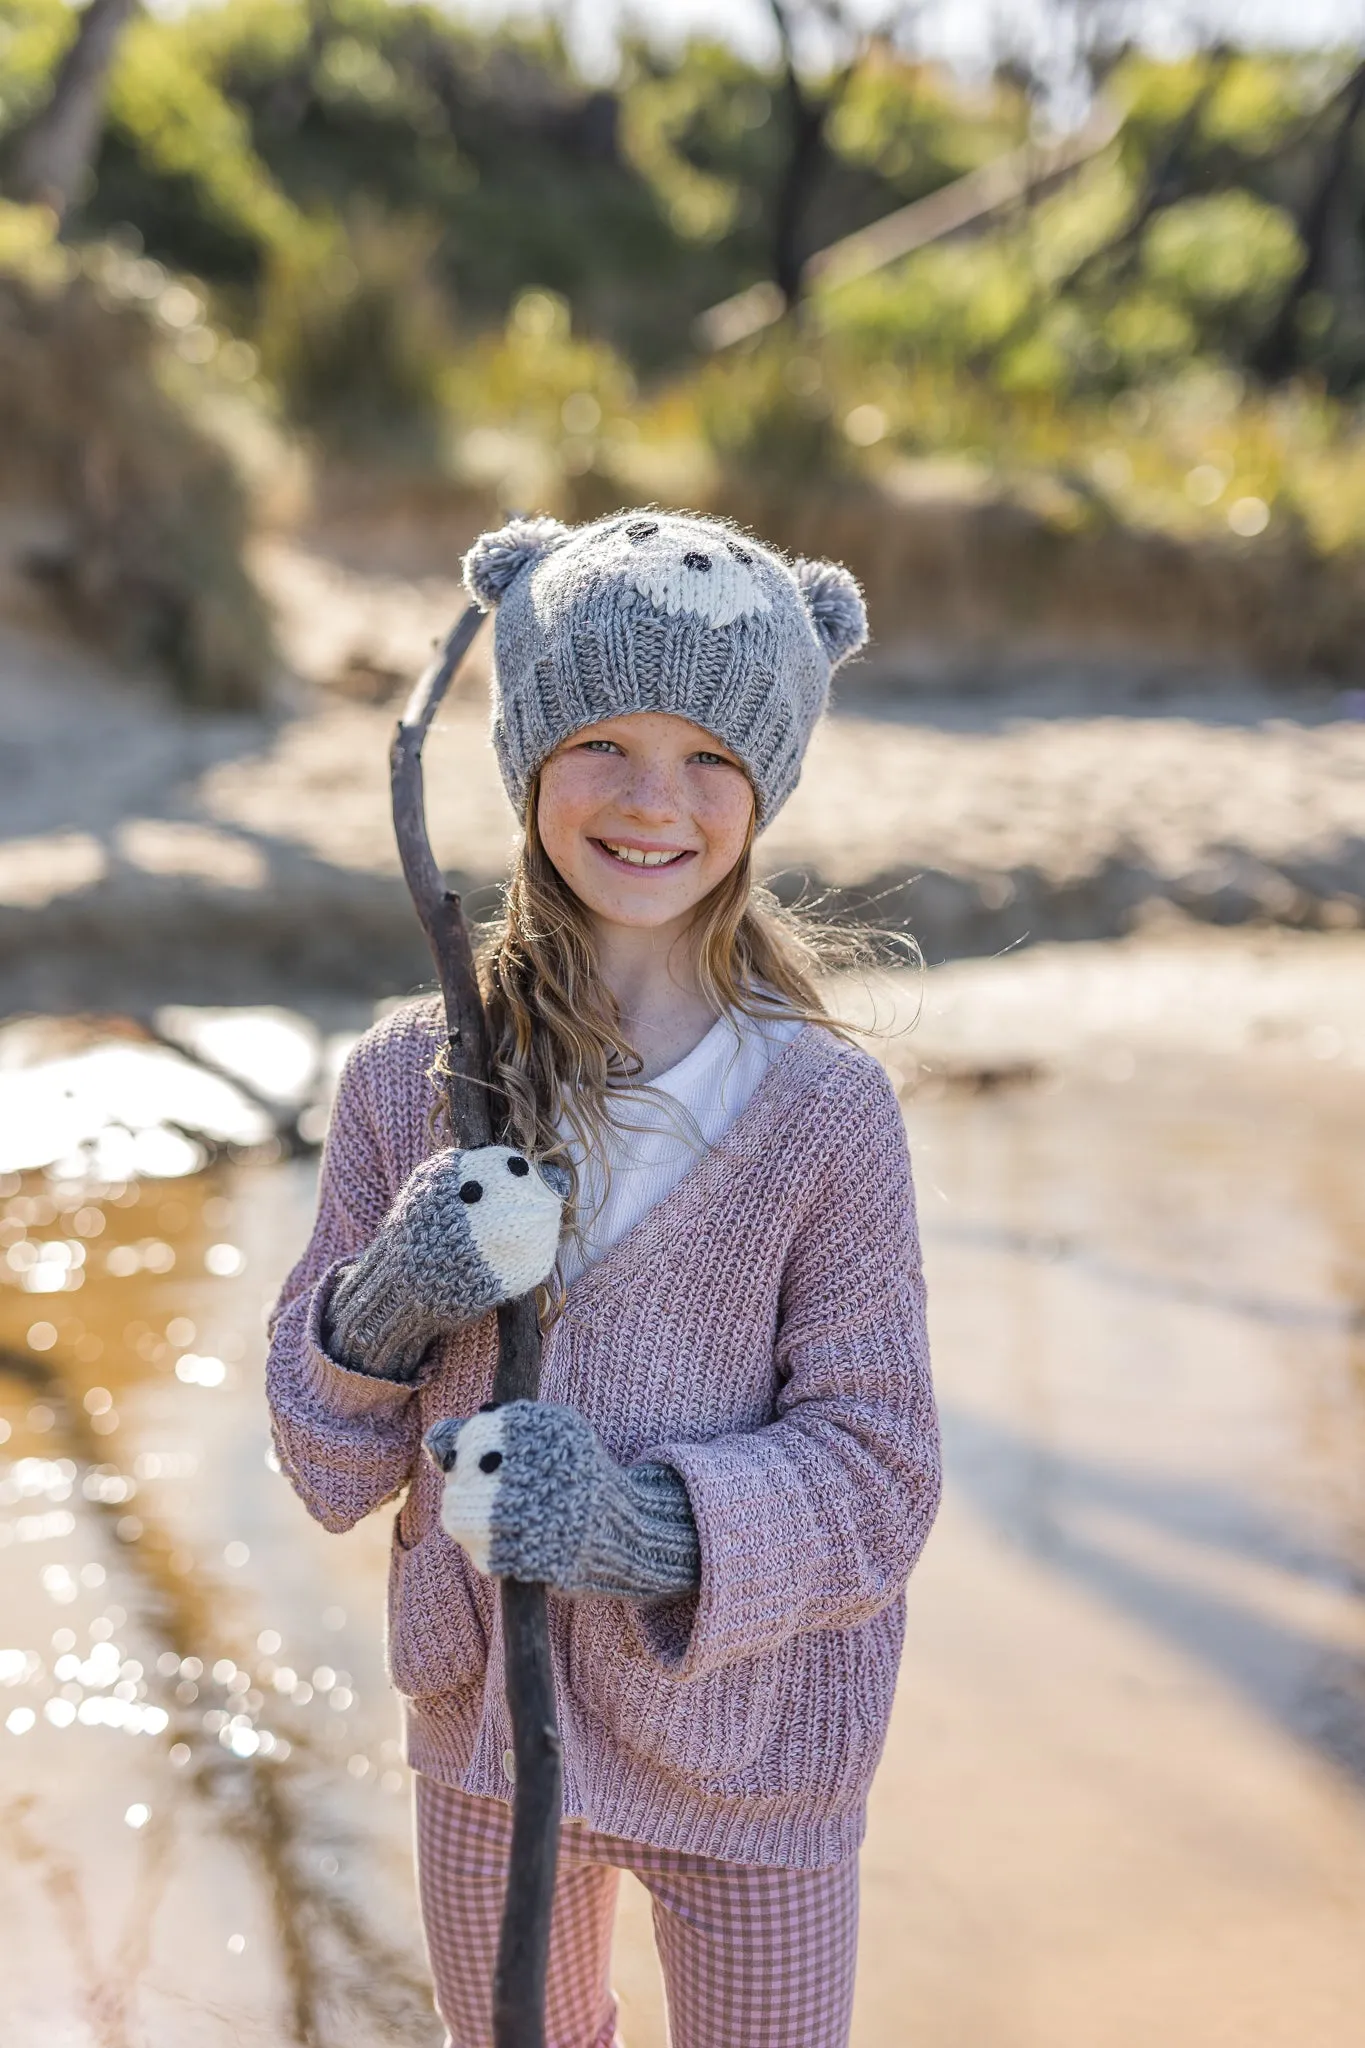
x,y
1124,1794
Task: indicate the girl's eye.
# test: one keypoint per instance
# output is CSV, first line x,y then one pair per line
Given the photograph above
x,y
600,747
714,760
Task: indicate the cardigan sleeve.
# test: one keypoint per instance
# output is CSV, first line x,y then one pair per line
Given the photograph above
x,y
347,1442
815,1520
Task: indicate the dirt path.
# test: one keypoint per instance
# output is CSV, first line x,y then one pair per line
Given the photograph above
x,y
149,854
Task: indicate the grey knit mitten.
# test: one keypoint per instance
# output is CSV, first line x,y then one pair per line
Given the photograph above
x,y
531,1494
469,1230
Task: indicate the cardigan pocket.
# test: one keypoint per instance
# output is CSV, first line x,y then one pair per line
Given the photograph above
x,y
706,1729
437,1639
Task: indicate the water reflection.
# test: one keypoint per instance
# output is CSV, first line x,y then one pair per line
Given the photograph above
x,y
167,1660
157,1098
1146,1297
135,1589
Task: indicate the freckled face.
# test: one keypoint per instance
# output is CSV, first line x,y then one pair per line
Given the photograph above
x,y
642,816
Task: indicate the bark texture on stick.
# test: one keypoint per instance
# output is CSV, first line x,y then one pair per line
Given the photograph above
x,y
524,1947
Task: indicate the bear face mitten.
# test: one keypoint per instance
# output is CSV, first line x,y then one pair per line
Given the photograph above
x,y
468,1231
531,1493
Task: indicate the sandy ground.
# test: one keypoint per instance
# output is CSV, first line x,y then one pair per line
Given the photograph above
x,y
145,852
1123,1798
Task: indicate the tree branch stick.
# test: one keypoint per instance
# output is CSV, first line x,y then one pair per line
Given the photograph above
x,y
524,1946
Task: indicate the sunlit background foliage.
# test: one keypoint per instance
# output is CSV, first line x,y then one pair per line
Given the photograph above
x,y
383,236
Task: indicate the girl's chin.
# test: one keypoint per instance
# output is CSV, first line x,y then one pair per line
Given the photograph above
x,y
644,905
628,911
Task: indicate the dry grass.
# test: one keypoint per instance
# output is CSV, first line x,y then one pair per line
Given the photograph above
x,y
147,515
977,579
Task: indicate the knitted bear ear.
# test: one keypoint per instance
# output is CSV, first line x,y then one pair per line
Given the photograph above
x,y
496,559
836,607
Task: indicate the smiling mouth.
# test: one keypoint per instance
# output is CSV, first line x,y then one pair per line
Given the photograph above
x,y
638,857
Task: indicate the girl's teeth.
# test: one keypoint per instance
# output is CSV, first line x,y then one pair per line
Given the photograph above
x,y
640,860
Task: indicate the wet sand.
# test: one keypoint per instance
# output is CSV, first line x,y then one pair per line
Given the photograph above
x,y
1123,1798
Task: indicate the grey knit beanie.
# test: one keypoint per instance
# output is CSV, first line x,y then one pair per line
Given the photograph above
x,y
660,611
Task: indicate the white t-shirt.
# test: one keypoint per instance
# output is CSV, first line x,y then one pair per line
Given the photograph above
x,y
675,1121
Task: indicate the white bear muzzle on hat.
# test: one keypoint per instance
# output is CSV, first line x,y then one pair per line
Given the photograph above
x,y
655,611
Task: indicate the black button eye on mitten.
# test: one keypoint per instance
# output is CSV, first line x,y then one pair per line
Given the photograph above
x,y
468,1230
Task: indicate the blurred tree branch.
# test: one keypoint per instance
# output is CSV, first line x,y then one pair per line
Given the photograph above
x,y
1166,182
53,156
1277,354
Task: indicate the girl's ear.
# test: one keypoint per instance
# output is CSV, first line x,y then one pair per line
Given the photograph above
x,y
836,607
496,559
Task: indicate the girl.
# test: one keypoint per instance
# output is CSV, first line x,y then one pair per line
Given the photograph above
x,y
736,1461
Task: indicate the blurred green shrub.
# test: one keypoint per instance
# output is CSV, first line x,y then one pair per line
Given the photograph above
x,y
357,339
641,201
33,35
1225,259
910,125
537,407
698,132
152,514
177,160
1108,283
957,302
767,416
171,121
453,251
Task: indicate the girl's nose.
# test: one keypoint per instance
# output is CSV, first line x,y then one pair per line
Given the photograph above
x,y
650,793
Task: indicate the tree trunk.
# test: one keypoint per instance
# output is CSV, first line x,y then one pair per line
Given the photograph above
x,y
806,141
57,148
1278,353
808,115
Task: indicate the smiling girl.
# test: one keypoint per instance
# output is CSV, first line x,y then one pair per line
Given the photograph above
x,y
735,1464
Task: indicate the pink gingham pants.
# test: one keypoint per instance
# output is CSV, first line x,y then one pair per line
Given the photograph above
x,y
752,1957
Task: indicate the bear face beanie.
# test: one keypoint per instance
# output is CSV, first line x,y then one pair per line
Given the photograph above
x,y
656,611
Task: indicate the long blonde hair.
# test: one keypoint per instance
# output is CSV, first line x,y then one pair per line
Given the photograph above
x,y
559,1050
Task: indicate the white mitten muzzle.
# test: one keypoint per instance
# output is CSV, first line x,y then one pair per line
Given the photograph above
x,y
472,1482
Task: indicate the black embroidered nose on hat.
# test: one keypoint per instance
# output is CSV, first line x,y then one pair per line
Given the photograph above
x,y
654,611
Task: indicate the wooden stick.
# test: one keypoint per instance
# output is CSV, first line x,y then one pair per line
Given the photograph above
x,y
524,1945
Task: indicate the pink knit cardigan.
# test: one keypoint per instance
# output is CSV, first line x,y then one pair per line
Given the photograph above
x,y
762,1331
